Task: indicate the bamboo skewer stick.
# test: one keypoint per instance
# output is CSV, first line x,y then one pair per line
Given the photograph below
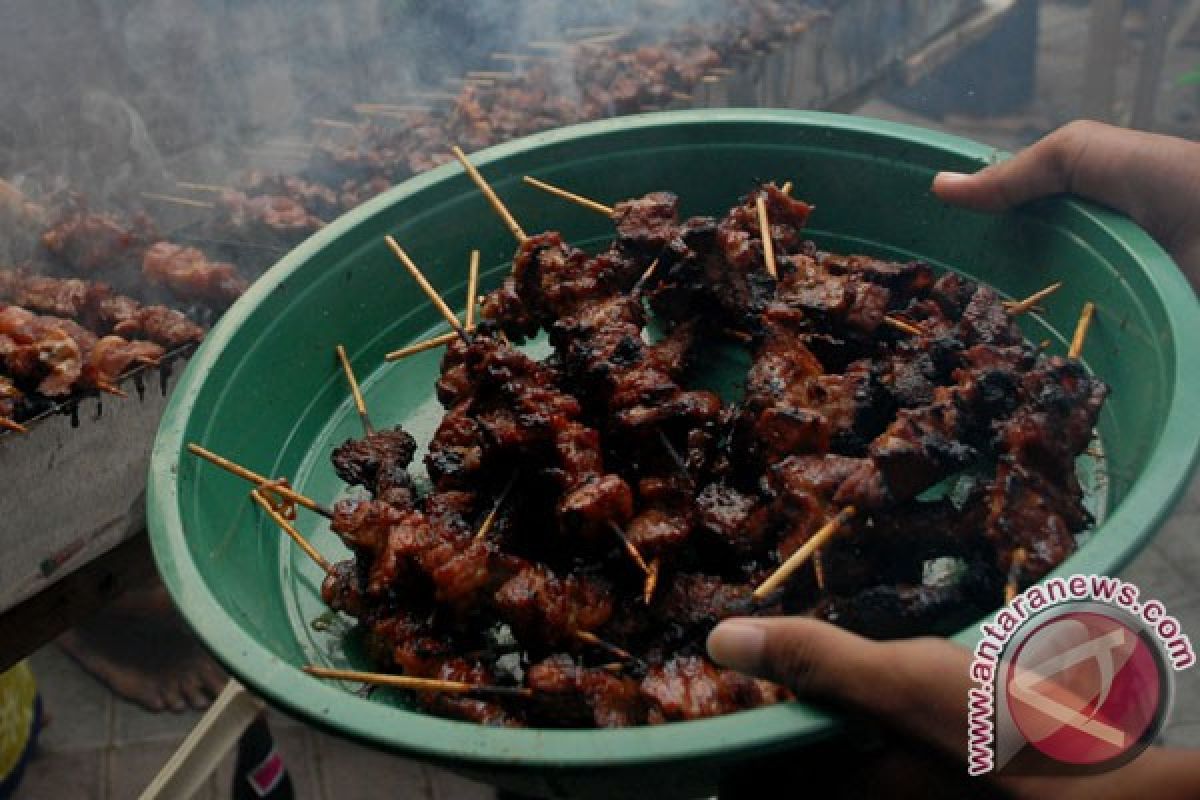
x,y
179,201
340,124
577,199
12,425
446,338
108,388
630,548
637,287
400,108
590,638
201,187
490,519
414,684
764,232
259,480
499,207
902,326
797,559
291,531
429,291
1081,330
786,188
651,581
360,405
1016,307
472,289
421,347
1011,588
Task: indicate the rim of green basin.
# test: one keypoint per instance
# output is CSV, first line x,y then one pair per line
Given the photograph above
x,y
1138,516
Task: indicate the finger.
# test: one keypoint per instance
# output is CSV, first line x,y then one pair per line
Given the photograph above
x,y
919,685
1149,177
813,658
1042,169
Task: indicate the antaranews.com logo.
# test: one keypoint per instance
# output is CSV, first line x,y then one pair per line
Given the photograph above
x,y
1080,669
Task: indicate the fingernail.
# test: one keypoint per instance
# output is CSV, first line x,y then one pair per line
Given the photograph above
x,y
737,644
950,178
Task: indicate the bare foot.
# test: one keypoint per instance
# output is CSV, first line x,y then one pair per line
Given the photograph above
x,y
141,648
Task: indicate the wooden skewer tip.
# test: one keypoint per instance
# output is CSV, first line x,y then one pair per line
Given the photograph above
x,y
1081,330
290,530
414,684
805,551
902,326
764,232
472,289
577,199
509,221
421,347
426,287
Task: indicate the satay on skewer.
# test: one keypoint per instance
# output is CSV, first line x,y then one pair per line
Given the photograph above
x,y
798,558
768,245
290,530
275,487
415,684
509,221
360,405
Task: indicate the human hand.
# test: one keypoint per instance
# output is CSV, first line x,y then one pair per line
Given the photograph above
x,y
1152,178
919,689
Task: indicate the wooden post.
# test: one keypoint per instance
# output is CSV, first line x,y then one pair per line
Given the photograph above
x,y
201,752
1150,65
1103,54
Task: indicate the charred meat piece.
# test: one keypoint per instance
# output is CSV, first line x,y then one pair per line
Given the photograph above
x,y
897,612
92,242
542,607
646,224
464,706
904,280
362,462
568,695
690,687
188,273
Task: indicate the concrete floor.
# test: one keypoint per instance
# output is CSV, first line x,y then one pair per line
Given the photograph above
x,y
99,747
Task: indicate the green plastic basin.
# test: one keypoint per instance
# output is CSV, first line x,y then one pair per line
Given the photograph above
x,y
265,390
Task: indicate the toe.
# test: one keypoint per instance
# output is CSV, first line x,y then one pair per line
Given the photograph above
x,y
213,677
197,693
173,697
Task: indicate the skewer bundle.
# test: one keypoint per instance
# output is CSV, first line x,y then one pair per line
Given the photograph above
x,y
644,510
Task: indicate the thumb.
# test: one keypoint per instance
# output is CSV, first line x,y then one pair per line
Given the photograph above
x,y
813,658
1040,170
919,685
